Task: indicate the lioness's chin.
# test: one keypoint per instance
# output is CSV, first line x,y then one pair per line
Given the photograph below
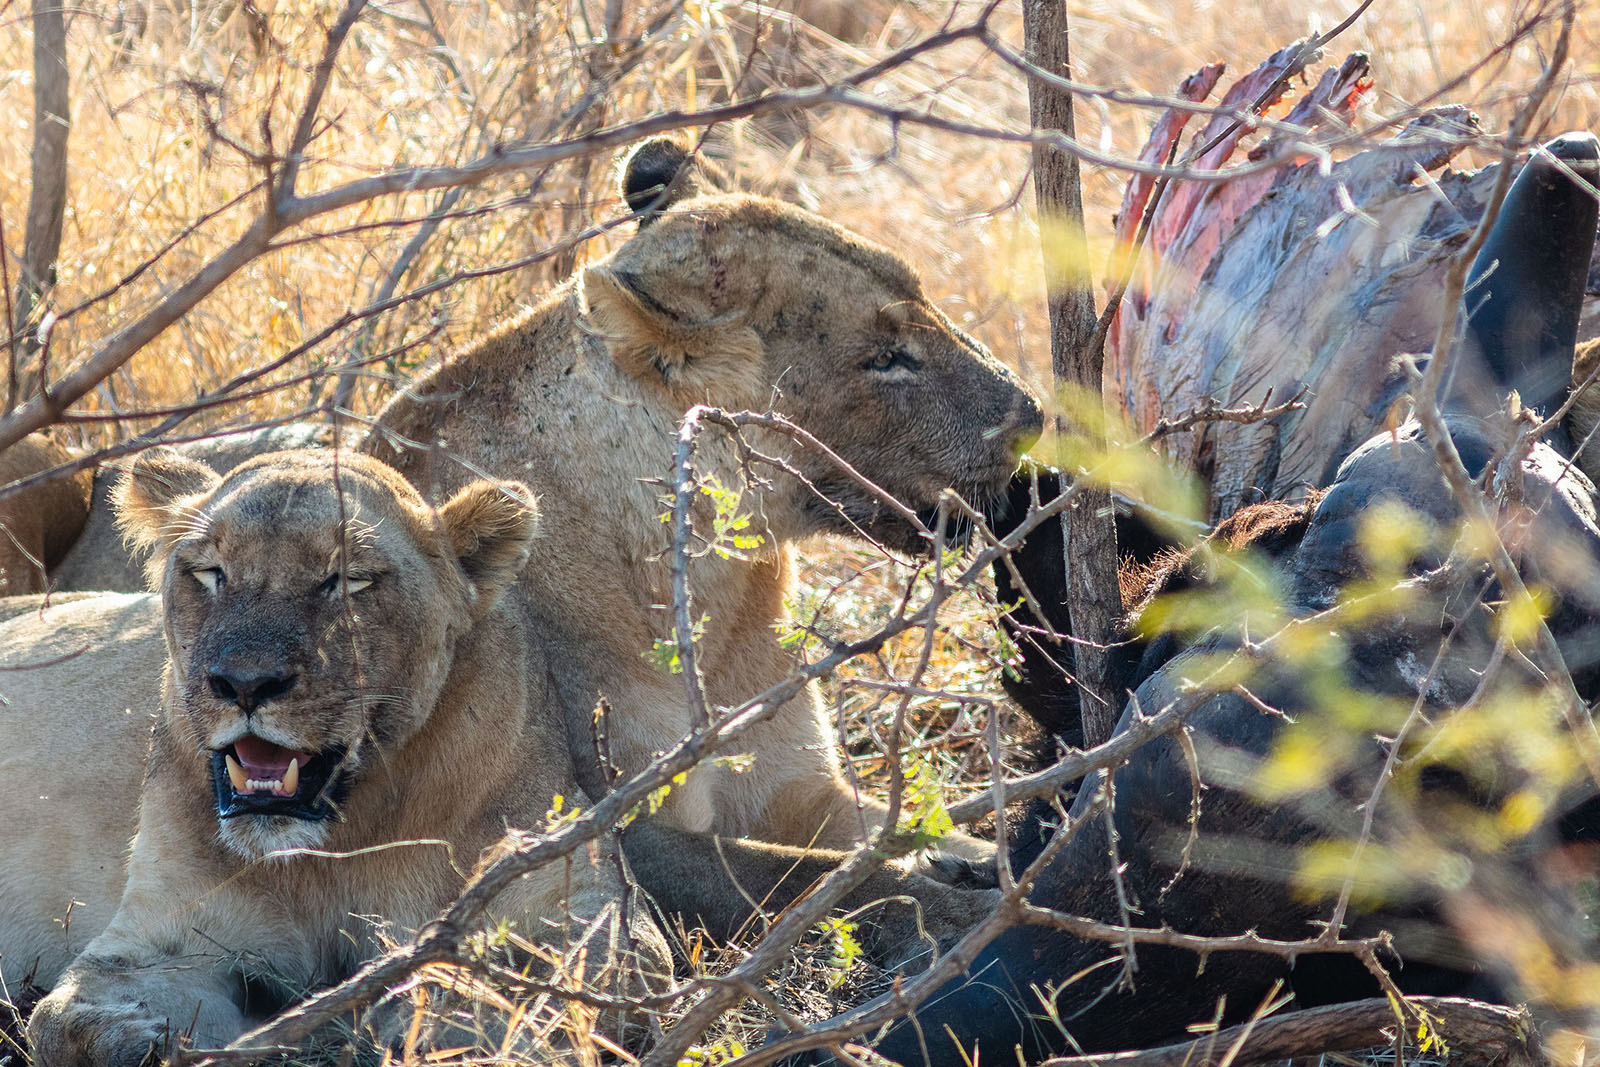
x,y
255,837
852,513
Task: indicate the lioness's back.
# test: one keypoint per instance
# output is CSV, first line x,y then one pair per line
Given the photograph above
x,y
69,761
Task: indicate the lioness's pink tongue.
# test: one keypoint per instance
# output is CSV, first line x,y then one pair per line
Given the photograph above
x,y
264,760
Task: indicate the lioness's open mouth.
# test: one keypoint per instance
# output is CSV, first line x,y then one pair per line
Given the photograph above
x,y
256,777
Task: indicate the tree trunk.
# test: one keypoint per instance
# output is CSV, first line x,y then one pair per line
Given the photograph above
x,y
47,199
1094,602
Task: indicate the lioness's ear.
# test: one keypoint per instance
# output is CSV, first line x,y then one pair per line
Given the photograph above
x,y
664,170
491,527
152,496
716,358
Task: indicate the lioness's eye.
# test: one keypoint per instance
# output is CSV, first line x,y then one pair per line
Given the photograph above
x,y
890,359
346,582
211,577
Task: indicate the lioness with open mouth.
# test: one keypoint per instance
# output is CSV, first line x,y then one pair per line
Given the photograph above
x,y
342,732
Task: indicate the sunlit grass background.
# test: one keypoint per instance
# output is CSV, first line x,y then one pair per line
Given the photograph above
x,y
442,81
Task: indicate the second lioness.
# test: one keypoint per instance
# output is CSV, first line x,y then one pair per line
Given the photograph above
x,y
344,676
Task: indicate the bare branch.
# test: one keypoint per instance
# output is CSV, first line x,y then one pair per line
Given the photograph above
x,y
1211,410
287,210
683,490
320,76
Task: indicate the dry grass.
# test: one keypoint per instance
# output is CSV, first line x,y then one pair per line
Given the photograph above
x,y
146,160
445,81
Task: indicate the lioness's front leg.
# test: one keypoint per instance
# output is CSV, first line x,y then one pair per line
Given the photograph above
x,y
579,903
116,1009
796,785
578,911
168,963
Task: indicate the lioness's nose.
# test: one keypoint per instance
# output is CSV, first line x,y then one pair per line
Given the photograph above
x,y
248,688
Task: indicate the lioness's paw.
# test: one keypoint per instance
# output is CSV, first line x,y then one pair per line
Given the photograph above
x,y
67,1034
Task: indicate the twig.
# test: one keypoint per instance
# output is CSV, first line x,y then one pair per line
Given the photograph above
x,y
1202,945
1209,409
683,490
320,76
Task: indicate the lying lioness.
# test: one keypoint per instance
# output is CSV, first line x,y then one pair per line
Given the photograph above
x,y
343,677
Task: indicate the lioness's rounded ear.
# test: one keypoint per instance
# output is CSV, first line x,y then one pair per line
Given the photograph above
x,y
491,526
150,496
664,170
716,359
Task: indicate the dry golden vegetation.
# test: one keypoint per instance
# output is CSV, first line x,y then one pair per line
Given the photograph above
x,y
172,109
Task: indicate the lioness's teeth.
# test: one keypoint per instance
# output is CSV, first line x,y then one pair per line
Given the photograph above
x,y
241,784
291,778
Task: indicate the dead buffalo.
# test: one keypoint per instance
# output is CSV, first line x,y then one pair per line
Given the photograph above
x,y
1368,754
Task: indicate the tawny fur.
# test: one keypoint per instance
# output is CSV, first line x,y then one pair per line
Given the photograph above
x,y
450,758
739,302
71,761
38,526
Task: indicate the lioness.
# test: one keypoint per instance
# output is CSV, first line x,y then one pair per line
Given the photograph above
x,y
343,676
741,302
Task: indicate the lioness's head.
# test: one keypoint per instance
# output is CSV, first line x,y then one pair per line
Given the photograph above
x,y
312,604
745,302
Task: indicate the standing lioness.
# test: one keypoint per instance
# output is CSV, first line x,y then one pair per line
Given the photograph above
x,y
345,677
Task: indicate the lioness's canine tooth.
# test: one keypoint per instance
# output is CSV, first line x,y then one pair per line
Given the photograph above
x,y
291,778
241,784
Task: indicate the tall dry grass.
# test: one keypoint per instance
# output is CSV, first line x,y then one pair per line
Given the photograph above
x,y
169,102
